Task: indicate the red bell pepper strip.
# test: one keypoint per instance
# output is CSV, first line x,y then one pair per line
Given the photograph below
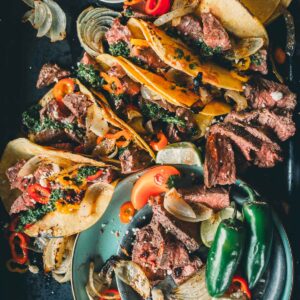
x,y
95,176
157,7
243,285
39,193
112,293
161,143
20,258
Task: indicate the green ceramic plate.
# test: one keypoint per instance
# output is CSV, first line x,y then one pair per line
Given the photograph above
x,y
102,241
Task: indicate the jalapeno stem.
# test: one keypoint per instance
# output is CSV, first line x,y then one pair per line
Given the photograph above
x,y
250,193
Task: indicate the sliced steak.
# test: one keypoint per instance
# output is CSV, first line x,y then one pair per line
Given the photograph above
x,y
13,171
22,203
252,147
49,74
214,34
131,87
216,198
104,148
173,133
77,104
187,116
282,125
55,112
134,159
262,93
63,146
147,56
117,33
116,70
259,62
161,216
190,27
88,60
50,136
108,175
219,164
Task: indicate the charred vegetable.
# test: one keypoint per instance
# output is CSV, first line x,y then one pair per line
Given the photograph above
x,y
225,255
260,226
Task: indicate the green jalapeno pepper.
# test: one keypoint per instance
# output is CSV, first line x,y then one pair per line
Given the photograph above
x,y
258,218
224,255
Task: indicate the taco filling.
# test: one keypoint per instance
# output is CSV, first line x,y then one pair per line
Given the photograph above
x,y
49,188
68,118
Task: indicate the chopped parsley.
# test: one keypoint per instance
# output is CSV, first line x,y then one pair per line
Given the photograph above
x,y
89,75
84,172
118,100
33,215
256,59
208,51
179,53
154,112
31,119
128,12
119,49
173,181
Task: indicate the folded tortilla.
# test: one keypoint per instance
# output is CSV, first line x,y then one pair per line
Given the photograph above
x,y
167,48
91,208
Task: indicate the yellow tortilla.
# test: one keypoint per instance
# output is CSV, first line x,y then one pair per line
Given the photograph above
x,y
174,53
283,4
235,18
104,111
92,207
169,91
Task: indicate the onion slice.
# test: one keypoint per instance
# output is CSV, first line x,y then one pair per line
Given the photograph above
x,y
59,22
29,2
240,100
133,275
40,14
183,10
45,27
96,122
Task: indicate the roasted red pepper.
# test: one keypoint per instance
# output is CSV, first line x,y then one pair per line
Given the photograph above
x,y
113,293
161,143
18,239
95,176
242,285
39,193
157,7
63,87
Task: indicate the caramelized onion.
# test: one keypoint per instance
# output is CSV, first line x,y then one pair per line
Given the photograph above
x,y
240,100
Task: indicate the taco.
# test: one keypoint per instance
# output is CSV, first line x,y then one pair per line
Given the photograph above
x,y
53,192
69,117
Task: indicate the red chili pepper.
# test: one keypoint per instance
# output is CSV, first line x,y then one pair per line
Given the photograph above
x,y
157,7
161,143
20,258
243,285
39,193
95,176
110,292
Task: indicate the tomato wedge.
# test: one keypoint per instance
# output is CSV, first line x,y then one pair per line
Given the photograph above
x,y
63,87
127,211
111,293
151,183
39,193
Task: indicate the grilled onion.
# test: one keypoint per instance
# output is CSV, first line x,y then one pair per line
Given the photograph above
x,y
92,24
240,100
96,122
132,274
176,206
180,8
48,18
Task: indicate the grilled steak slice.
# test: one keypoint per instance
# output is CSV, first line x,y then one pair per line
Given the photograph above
x,y
63,146
214,34
216,198
22,203
259,62
190,27
219,165
263,93
265,154
147,56
49,74
134,159
282,125
55,112
118,33
12,173
159,253
116,70
50,136
78,104
161,216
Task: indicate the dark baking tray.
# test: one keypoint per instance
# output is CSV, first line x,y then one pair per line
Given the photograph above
x,y
22,55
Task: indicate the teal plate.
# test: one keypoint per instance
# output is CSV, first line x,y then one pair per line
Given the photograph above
x,y
103,240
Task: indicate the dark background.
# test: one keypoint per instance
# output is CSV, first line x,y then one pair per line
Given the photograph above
x,y
22,55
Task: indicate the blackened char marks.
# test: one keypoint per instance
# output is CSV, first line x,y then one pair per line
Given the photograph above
x,y
219,165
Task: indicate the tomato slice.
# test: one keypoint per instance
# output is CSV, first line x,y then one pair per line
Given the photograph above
x,y
127,211
39,193
111,293
63,87
152,183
